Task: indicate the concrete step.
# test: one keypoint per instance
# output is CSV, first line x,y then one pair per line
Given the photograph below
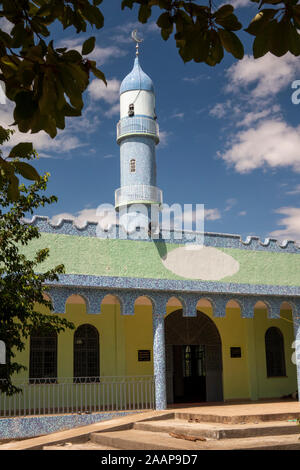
x,y
235,419
134,439
219,431
143,440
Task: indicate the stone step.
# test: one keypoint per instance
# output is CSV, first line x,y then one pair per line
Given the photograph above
x,y
219,431
134,439
235,419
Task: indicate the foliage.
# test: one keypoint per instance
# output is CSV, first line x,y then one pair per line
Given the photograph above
x,y
46,83
21,287
202,33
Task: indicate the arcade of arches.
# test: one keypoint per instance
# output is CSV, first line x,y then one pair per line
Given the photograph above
x,y
207,358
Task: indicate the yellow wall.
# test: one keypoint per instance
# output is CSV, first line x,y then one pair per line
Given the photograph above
x,y
122,336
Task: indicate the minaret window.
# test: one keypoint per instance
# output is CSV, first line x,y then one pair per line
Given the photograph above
x,y
132,165
131,110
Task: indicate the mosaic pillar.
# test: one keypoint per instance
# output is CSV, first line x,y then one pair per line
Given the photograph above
x,y
296,355
159,360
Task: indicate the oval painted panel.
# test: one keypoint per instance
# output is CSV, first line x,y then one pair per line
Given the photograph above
x,y
205,263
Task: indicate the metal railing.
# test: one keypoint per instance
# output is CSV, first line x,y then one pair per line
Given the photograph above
x,y
78,395
137,125
139,193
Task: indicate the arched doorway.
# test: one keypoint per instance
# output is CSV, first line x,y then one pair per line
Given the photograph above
x,y
193,359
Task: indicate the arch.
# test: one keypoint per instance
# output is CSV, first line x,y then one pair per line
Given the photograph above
x,y
262,305
175,303
86,353
206,302
77,299
111,299
144,300
234,303
275,357
202,335
43,355
287,305
287,310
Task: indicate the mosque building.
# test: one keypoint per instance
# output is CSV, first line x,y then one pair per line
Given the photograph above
x,y
162,316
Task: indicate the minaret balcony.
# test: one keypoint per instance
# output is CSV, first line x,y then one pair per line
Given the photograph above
x,y
138,194
137,125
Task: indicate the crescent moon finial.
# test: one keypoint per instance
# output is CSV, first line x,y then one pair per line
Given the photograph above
x,y
136,40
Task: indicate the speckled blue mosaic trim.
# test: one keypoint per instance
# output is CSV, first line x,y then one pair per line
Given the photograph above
x,y
171,285
219,240
159,300
21,427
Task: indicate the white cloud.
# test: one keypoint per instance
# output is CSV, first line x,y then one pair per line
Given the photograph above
x,y
229,204
64,142
196,79
219,110
164,138
110,94
268,74
177,115
6,25
88,215
239,3
242,213
100,54
294,191
254,116
291,223
272,143
99,91
212,214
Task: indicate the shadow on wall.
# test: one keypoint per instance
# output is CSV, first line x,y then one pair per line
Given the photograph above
x,y
161,247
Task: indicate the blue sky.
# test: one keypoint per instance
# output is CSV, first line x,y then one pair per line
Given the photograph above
x,y
230,134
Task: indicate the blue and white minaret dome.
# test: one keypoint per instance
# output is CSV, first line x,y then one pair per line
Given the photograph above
x,y
137,89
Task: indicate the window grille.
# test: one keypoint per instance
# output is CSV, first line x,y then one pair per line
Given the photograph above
x,y
43,355
86,353
275,353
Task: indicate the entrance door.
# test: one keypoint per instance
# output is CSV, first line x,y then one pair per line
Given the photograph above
x,y
189,377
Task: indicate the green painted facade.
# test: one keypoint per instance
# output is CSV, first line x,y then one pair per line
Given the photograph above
x,y
143,259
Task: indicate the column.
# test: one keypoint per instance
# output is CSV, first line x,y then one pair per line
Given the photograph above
x,y
159,360
296,355
248,315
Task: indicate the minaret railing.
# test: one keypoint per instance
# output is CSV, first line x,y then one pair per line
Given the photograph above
x,y
138,193
137,125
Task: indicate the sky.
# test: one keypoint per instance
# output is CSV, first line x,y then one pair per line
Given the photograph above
x,y
230,134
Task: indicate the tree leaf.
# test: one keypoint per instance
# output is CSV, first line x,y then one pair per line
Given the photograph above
x,y
231,43
279,42
260,21
165,21
144,13
21,150
223,11
88,45
13,188
27,171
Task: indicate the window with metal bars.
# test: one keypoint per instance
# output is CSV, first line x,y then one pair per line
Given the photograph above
x,y
43,357
275,353
86,354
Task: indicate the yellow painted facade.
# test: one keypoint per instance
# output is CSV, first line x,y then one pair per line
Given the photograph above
x,y
121,336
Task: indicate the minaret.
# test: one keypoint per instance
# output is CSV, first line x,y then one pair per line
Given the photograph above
x,y
137,135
